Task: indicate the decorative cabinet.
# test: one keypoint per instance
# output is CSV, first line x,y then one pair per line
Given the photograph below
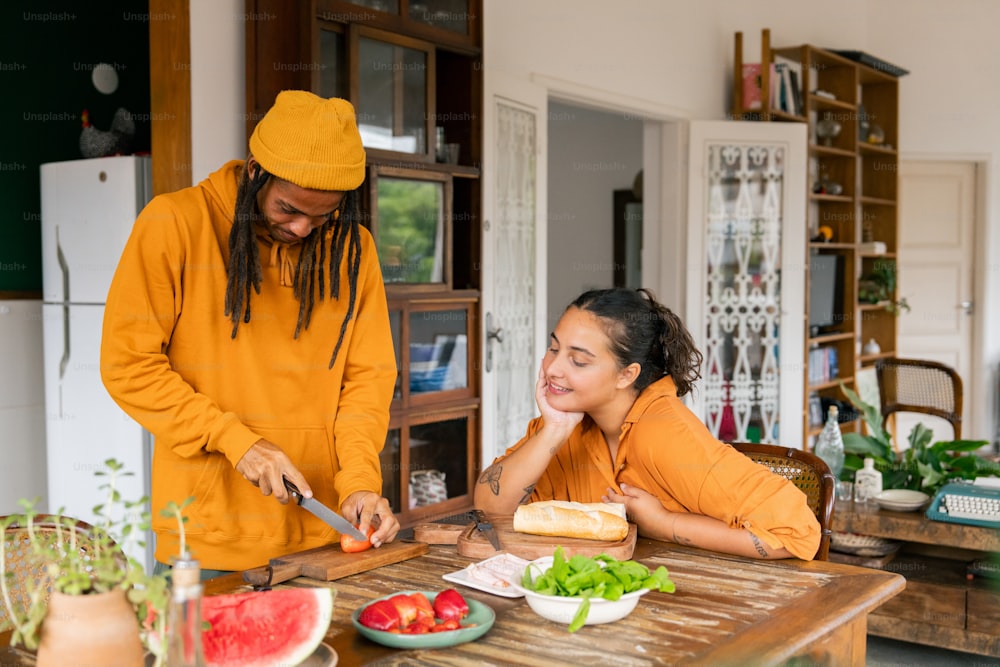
x,y
851,109
413,70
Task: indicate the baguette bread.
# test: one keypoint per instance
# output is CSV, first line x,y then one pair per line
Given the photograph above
x,y
563,518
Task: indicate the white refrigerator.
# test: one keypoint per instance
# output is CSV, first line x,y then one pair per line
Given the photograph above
x,y
88,208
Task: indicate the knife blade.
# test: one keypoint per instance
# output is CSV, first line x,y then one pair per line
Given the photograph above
x,y
485,526
324,513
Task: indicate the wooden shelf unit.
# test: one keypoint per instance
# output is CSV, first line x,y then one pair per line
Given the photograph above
x,y
941,605
865,207
432,52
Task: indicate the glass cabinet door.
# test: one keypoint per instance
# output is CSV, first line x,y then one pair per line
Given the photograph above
x,y
425,464
747,250
438,351
392,94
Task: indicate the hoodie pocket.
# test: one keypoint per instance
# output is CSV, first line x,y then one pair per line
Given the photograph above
x,y
227,504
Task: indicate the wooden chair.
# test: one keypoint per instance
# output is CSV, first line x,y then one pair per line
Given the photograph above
x,y
26,569
917,385
809,473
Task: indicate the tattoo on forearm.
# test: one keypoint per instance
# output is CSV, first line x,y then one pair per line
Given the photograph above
x,y
491,476
528,490
759,546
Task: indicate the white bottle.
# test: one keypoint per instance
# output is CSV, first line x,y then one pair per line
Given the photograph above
x,y
867,482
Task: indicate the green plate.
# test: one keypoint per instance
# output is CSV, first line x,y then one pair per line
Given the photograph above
x,y
478,622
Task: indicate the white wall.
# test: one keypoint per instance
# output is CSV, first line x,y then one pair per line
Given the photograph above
x,y
218,85
677,54
591,154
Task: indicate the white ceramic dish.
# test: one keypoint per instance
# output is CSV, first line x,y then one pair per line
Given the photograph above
x,y
493,575
902,500
563,609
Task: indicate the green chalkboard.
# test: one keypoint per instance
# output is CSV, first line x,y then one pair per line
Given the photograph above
x,y
48,51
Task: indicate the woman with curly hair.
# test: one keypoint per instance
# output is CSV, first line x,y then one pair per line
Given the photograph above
x,y
613,428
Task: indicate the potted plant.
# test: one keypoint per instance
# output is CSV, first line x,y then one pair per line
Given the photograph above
x,y
923,466
879,286
98,584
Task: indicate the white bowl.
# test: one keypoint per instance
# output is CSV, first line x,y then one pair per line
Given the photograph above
x,y
562,609
901,500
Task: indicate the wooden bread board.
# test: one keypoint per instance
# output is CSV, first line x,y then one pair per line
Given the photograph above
x,y
473,543
330,562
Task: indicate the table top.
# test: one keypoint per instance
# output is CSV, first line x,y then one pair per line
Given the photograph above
x,y
913,527
726,610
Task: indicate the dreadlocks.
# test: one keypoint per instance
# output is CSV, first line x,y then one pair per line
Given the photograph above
x,y
244,272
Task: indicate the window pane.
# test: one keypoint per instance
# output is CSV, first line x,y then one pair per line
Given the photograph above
x,y
332,81
438,461
392,96
451,15
387,6
410,230
389,460
439,350
395,324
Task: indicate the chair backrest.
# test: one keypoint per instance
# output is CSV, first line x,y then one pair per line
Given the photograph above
x,y
27,570
917,385
809,473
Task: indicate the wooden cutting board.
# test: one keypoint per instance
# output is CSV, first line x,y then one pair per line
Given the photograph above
x,y
473,543
330,562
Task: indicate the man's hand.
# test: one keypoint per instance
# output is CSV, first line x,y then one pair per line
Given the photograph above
x,y
364,508
265,464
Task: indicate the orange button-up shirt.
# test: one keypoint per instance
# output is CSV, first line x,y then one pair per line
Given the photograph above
x,y
666,450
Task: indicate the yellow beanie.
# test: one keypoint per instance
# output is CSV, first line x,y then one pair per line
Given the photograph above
x,y
310,141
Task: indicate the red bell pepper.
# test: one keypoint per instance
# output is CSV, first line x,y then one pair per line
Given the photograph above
x,y
380,615
449,604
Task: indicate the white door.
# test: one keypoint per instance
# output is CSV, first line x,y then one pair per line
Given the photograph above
x,y
937,213
513,238
745,299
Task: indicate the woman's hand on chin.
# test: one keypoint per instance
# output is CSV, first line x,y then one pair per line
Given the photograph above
x,y
551,415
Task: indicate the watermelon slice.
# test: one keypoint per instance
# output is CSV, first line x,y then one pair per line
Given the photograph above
x,y
265,628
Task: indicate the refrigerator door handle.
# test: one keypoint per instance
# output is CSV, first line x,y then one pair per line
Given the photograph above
x,y
64,362
64,268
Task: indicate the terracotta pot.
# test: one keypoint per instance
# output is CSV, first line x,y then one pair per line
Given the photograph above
x,y
90,630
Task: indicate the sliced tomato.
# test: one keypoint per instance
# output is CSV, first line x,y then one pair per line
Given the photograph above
x,y
350,545
445,626
425,612
381,615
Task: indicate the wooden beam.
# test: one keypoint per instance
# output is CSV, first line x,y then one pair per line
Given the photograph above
x,y
170,94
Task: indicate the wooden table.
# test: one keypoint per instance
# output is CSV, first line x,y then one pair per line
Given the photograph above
x,y
941,605
726,611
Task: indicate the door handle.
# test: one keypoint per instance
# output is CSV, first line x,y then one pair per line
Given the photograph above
x,y
968,306
491,335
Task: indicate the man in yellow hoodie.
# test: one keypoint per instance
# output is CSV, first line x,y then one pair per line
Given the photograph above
x,y
247,329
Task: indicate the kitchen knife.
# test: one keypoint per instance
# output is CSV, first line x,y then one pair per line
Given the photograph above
x,y
324,513
484,526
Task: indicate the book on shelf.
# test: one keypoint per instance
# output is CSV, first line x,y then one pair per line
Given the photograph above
x,y
786,86
823,364
753,86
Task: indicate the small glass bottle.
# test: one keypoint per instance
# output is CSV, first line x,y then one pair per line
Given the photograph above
x,y
830,444
184,616
867,482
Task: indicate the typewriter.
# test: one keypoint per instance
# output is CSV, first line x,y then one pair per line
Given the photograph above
x,y
976,504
